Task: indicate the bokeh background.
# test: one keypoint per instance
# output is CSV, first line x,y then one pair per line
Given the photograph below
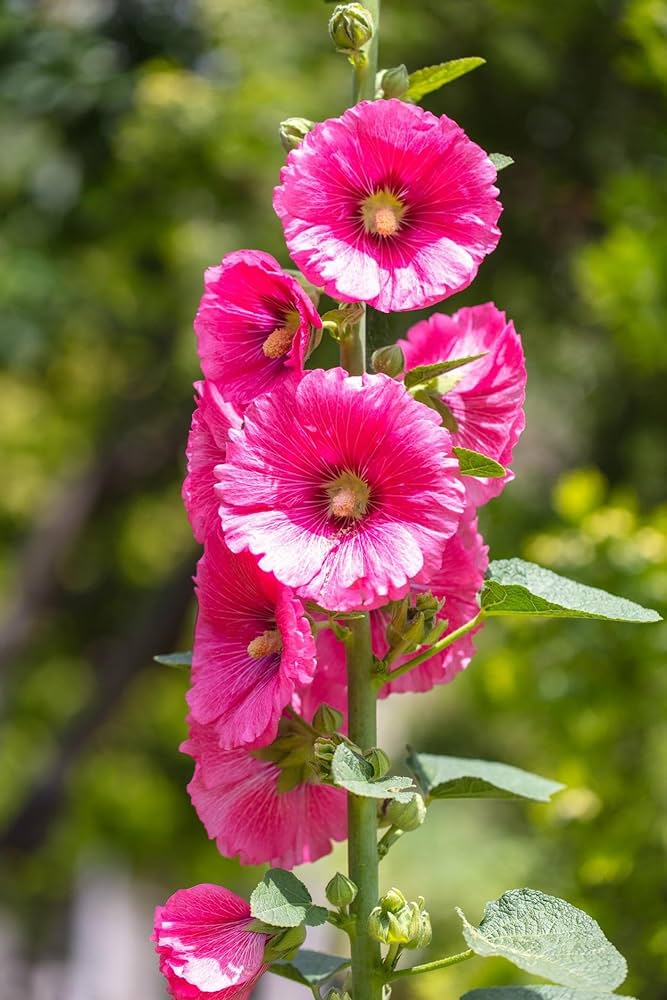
x,y
138,145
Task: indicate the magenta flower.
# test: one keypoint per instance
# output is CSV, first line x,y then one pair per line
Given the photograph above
x,y
253,325
207,445
253,646
389,205
486,396
237,799
345,487
204,947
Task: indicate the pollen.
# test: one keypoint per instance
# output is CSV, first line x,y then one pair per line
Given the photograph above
x,y
348,496
382,213
278,342
266,644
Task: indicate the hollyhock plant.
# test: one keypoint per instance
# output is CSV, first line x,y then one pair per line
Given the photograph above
x,y
389,205
205,950
254,325
253,647
207,445
485,396
346,488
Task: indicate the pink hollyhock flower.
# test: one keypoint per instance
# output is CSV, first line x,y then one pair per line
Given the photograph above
x,y
389,205
204,947
345,487
237,799
253,646
253,325
207,444
485,396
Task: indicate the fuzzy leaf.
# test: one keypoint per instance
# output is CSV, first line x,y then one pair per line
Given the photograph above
x,y
422,374
175,659
500,161
352,772
473,463
430,78
539,993
310,968
466,778
282,900
548,937
515,587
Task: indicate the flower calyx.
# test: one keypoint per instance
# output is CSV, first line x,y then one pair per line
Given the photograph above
x,y
388,360
412,625
392,82
341,891
406,816
293,131
395,921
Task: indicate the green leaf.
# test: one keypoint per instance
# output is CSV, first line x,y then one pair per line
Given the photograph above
x,y
539,993
473,463
434,401
500,161
282,900
175,659
352,772
468,778
310,968
515,587
548,937
424,81
422,374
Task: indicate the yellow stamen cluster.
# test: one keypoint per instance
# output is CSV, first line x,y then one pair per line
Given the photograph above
x,y
278,342
265,644
382,213
348,496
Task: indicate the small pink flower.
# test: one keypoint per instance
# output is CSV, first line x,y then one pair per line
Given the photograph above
x,y
207,445
389,205
253,646
253,325
345,487
206,951
485,396
237,799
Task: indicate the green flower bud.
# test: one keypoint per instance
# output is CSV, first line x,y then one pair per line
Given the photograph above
x,y
423,938
406,815
378,760
337,995
350,27
428,603
293,131
327,719
388,360
393,901
341,891
384,927
284,944
394,82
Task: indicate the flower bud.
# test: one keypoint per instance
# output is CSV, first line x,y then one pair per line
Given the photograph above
x,y
423,938
393,901
293,131
284,944
406,815
394,82
350,27
340,891
337,995
378,760
428,603
327,719
388,360
395,928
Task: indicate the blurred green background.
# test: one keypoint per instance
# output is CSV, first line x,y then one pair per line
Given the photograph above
x,y
138,146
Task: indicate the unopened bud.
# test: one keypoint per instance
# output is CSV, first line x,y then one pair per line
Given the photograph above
x,y
406,815
394,82
378,760
428,603
341,891
388,360
327,719
284,944
337,995
393,901
394,928
350,27
293,131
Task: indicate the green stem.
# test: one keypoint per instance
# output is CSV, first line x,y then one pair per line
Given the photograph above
x,y
366,68
388,840
441,963
437,647
362,814
353,348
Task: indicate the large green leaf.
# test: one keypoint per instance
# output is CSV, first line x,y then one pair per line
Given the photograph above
x,y
352,772
310,968
473,463
468,778
183,659
548,937
539,993
430,78
282,900
515,587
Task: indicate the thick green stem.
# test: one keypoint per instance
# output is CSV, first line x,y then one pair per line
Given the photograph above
x,y
441,963
362,814
353,348
365,70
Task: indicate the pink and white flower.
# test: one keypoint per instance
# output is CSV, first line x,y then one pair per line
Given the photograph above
x,y
345,487
207,445
485,396
389,205
253,325
205,950
253,647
